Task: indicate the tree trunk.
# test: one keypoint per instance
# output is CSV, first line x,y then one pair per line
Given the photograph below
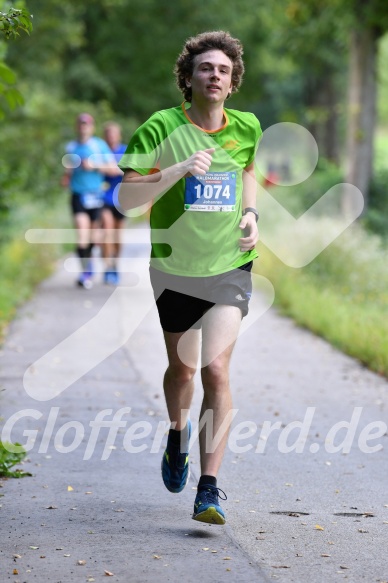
x,y
361,112
330,129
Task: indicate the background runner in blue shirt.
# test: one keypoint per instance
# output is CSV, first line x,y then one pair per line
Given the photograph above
x,y
113,221
87,161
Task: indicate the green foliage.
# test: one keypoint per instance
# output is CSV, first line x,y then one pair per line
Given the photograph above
x,y
8,93
376,217
11,454
15,20
382,73
11,22
299,198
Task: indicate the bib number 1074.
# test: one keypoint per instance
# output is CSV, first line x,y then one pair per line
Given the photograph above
x,y
215,191
212,191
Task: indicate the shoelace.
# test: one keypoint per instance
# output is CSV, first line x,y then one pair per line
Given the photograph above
x,y
211,492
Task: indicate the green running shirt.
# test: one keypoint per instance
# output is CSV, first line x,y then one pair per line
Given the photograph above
x,y
194,225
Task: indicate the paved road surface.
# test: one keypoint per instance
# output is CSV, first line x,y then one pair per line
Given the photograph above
x,y
297,509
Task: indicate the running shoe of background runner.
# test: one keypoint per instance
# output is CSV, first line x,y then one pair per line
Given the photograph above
x,y
85,280
111,277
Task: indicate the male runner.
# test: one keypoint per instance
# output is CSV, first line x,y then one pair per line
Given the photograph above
x,y
113,221
196,162
90,159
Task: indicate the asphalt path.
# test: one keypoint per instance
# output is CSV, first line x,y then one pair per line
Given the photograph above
x,y
305,469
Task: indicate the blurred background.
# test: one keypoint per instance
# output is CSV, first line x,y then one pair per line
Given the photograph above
x,y
323,65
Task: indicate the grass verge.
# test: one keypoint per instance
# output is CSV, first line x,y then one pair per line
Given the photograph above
x,y
342,295
24,266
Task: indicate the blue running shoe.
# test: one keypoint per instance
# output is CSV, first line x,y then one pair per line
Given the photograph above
x,y
206,506
111,277
85,280
175,466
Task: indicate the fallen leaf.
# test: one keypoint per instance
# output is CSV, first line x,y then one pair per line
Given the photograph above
x,y
81,562
88,492
228,569
66,555
34,548
17,556
343,567
108,573
362,530
42,556
15,572
214,551
281,566
227,558
205,548
325,555
70,489
157,556
318,527
118,510
59,549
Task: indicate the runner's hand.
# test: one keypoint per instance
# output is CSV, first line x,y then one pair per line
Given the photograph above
x,y
86,165
199,162
251,234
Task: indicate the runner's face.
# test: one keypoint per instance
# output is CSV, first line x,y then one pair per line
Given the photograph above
x,y
212,77
112,136
85,130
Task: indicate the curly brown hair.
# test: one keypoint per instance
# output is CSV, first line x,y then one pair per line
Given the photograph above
x,y
207,41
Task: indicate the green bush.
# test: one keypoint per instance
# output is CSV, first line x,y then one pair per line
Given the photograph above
x,y
376,217
11,454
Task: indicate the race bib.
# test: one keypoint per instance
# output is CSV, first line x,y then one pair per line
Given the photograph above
x,y
92,200
214,192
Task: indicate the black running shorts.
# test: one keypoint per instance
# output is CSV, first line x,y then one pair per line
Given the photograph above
x,y
115,212
182,301
77,207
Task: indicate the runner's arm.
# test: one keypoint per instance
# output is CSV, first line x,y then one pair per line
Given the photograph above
x,y
248,221
136,189
97,162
